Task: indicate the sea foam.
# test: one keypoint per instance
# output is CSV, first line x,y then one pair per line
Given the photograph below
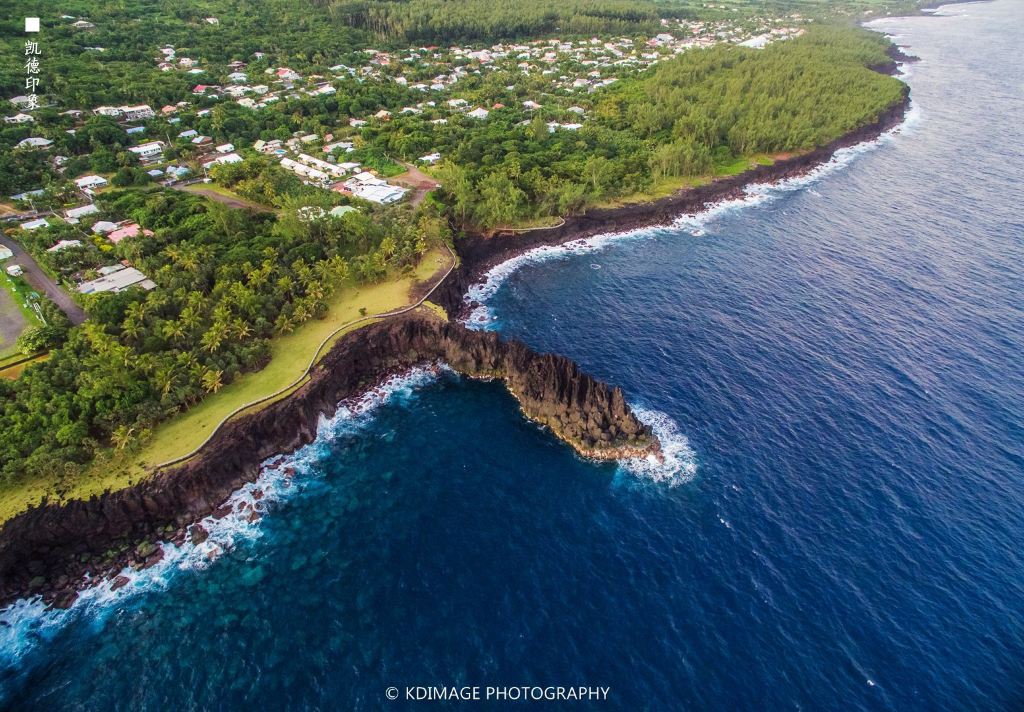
x,y
483,317
28,623
678,462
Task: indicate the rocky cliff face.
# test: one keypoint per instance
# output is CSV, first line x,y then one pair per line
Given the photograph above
x,y
51,547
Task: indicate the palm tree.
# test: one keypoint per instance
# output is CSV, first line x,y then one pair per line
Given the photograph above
x,y
123,436
212,381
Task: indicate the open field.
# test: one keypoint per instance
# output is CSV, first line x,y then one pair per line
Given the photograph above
x,y
12,320
668,186
224,195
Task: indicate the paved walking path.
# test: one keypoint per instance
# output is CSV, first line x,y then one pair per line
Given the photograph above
x,y
312,363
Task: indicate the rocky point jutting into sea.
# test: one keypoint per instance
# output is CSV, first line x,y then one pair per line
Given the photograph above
x,y
51,547
55,549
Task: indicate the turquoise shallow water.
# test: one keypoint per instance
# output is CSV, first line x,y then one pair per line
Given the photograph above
x,y
838,367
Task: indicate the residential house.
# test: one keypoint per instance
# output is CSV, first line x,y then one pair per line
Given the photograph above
x,y
137,113
18,119
34,142
148,152
74,215
90,182
116,278
102,227
64,244
35,224
129,230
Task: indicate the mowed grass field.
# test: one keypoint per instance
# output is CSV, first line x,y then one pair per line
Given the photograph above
x,y
14,315
290,355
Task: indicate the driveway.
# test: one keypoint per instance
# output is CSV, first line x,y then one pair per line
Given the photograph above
x,y
41,282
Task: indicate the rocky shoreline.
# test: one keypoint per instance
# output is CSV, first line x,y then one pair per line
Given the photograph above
x,y
54,550
479,253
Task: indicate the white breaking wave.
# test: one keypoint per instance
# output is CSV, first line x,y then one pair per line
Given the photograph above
x,y
27,623
678,463
483,317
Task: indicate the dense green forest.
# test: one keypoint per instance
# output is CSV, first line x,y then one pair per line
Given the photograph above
x,y
440,21
697,112
317,33
228,280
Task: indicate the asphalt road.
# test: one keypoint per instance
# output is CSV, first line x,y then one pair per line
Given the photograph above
x,y
41,282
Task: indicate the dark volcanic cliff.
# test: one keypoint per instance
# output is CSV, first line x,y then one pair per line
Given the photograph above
x,y
479,252
50,548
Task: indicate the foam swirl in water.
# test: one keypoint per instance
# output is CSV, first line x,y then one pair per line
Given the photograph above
x,y
482,316
678,462
27,623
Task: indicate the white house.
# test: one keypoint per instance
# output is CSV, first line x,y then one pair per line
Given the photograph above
x,y
102,227
73,215
220,160
478,113
64,244
329,168
22,102
430,158
18,119
107,111
34,142
90,182
116,278
137,113
150,151
225,148
35,224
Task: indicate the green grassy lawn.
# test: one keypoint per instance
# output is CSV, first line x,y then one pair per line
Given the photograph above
x,y
16,299
232,198
668,186
11,372
541,222
290,354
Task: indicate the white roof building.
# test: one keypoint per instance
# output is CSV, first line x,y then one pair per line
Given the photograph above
x,y
116,278
35,224
88,182
35,142
63,244
148,151
73,215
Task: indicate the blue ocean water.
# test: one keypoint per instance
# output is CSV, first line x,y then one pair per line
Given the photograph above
x,y
846,361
